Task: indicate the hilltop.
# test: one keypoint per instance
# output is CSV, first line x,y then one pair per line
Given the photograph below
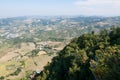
x,y
88,57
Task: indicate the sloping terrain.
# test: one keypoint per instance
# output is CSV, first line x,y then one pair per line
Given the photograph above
x,y
18,59
89,57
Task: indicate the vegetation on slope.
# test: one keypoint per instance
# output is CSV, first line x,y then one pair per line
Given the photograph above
x,y
89,57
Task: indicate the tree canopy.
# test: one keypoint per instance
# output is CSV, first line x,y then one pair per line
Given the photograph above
x,y
89,57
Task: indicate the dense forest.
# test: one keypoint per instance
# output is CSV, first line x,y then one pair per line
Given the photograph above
x,y
89,57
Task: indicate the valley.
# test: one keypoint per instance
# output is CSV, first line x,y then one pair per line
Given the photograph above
x,y
27,44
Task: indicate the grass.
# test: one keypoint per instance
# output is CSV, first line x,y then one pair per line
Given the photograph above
x,y
3,67
14,61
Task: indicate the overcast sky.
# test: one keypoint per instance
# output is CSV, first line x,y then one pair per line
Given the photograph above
x,y
11,8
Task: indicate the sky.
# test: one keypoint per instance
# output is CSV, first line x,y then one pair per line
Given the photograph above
x,y
13,8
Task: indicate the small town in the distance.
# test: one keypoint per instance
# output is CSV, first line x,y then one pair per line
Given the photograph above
x,y
60,48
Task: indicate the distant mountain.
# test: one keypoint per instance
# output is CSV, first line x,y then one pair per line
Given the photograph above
x,y
54,27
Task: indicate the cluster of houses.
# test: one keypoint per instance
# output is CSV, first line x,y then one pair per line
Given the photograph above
x,y
47,46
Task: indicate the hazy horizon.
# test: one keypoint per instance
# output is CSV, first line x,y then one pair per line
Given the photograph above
x,y
14,8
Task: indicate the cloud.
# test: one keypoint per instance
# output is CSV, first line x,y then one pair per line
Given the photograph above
x,y
110,7
98,3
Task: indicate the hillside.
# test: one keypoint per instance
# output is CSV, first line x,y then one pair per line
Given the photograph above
x,y
89,57
23,38
17,62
